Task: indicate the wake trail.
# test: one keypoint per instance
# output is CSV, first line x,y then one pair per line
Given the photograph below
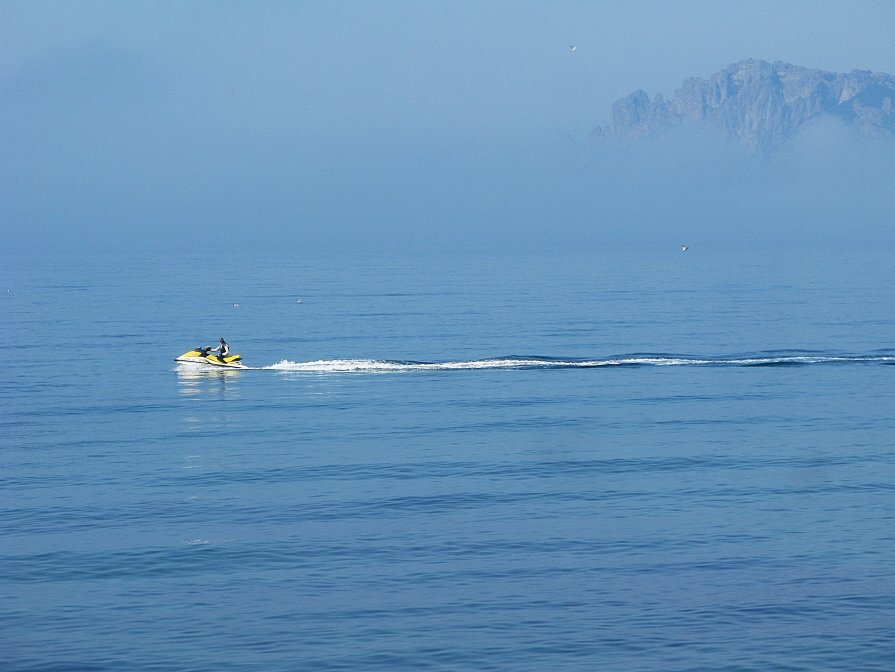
x,y
522,362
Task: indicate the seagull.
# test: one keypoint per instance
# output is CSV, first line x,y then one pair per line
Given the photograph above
x,y
573,47
684,248
236,305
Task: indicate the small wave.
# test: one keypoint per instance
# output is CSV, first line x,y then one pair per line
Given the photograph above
x,y
804,360
520,362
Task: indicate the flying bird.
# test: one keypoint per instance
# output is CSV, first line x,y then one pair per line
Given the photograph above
x,y
684,248
573,47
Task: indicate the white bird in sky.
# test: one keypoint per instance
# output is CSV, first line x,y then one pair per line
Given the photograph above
x,y
573,47
684,248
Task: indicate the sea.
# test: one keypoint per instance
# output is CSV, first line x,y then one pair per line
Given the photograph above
x,y
514,461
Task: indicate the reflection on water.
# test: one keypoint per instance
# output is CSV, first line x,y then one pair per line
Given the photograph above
x,y
196,380
207,384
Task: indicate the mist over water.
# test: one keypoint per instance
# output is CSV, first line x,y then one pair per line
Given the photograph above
x,y
405,128
694,185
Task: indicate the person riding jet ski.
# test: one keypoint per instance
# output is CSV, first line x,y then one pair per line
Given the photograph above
x,y
223,349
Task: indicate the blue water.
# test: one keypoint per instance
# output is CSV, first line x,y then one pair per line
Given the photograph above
x,y
646,461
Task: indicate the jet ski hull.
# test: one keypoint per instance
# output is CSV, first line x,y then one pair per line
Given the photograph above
x,y
196,357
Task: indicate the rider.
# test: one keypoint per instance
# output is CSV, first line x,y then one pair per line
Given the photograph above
x,y
223,349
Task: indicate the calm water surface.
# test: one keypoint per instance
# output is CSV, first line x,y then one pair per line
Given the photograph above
x,y
642,462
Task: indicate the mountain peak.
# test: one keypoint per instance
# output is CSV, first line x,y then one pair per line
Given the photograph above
x,y
761,104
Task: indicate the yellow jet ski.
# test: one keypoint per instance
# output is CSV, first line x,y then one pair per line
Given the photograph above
x,y
201,355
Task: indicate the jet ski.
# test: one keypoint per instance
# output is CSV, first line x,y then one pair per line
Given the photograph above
x,y
201,355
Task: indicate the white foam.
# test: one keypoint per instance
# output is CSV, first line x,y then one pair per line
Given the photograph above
x,y
373,365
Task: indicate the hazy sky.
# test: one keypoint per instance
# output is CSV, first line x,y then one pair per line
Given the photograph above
x,y
403,125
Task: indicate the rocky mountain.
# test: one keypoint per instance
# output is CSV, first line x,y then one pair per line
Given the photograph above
x,y
761,104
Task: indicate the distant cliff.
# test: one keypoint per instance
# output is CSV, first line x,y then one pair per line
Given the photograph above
x,y
761,104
